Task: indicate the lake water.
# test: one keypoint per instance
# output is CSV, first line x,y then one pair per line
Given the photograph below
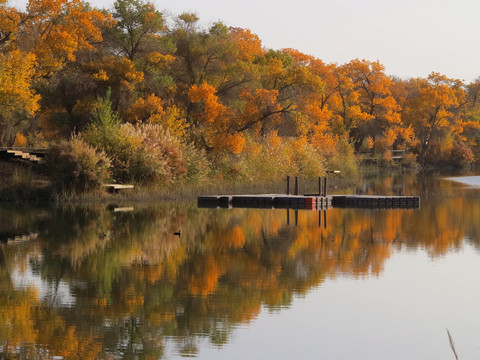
x,y
93,282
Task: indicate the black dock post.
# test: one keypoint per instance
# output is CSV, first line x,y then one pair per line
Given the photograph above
x,y
288,185
296,185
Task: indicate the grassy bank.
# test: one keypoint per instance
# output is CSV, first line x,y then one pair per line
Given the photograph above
x,y
24,184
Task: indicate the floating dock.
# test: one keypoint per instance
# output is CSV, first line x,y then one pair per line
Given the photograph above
x,y
309,201
266,201
376,201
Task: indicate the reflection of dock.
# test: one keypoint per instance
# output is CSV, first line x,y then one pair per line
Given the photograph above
x,y
17,239
280,201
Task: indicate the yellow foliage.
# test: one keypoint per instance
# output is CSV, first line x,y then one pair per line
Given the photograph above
x,y
16,74
10,19
324,142
159,60
101,75
20,140
370,142
390,136
115,72
273,140
145,110
173,119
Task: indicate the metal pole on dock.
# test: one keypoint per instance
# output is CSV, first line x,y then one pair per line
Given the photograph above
x,y
319,186
288,185
296,185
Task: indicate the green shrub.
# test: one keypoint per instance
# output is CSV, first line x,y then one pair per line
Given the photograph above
x,y
74,165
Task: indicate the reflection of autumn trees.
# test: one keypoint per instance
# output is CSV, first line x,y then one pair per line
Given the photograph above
x,y
134,282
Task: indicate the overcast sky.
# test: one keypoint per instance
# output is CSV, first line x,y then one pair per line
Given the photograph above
x,y
411,38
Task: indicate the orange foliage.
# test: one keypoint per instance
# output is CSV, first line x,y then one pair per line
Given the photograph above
x,y
233,143
205,282
205,94
433,107
20,140
145,110
258,104
248,43
57,29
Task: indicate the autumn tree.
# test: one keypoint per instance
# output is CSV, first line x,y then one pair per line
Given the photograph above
x,y
286,87
18,101
55,30
211,69
138,25
470,121
433,110
35,44
378,107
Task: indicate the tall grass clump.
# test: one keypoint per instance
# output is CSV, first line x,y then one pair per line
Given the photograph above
x,y
75,165
198,165
143,152
270,158
342,158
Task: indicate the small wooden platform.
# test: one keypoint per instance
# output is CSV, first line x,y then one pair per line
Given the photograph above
x,y
30,156
117,187
309,201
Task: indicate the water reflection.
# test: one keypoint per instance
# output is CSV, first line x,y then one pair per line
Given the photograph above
x,y
108,284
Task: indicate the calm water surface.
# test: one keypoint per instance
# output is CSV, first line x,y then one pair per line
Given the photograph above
x,y
94,283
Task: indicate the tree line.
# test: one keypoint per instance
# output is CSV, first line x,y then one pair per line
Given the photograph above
x,y
136,86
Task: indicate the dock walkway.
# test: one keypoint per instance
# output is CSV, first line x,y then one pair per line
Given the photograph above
x,y
309,201
266,201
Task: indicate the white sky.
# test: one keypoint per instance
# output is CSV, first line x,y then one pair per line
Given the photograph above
x,y
411,38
